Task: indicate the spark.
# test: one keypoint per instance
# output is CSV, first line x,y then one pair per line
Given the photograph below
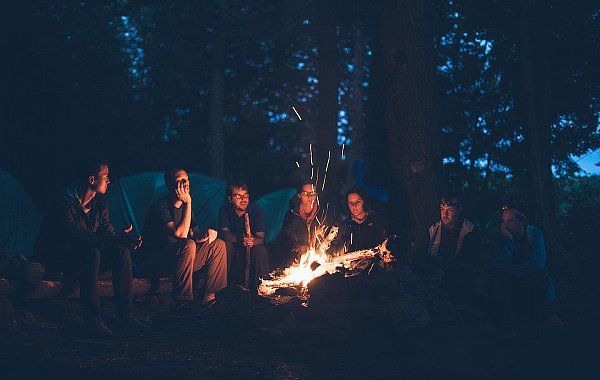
x,y
297,164
310,149
324,179
317,178
312,173
343,146
328,158
351,238
318,221
318,204
297,114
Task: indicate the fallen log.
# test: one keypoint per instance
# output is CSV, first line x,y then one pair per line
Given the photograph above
x,y
51,289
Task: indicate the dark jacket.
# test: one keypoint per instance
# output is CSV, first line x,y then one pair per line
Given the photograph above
x,y
368,234
67,226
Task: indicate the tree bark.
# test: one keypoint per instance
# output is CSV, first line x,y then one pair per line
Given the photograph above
x,y
411,111
537,120
325,130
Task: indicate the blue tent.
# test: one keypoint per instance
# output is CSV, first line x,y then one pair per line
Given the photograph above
x,y
131,197
19,217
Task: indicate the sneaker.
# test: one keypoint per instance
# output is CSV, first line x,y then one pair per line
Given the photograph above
x,y
181,308
131,321
98,328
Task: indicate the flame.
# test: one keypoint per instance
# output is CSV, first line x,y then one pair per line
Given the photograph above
x,y
315,263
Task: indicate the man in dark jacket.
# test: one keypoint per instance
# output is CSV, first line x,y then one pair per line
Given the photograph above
x,y
448,255
77,238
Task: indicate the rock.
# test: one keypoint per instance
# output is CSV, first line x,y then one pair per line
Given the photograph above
x,y
8,323
408,312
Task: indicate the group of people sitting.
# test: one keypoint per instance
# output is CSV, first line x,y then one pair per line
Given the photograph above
x,y
78,239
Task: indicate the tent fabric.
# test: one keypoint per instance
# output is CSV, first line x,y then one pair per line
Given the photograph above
x,y
19,217
130,199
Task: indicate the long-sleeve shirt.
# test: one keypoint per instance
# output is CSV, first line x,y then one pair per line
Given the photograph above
x,y
522,257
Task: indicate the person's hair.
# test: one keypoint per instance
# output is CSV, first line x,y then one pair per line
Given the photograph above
x,y
236,184
90,166
302,184
450,200
362,194
170,176
519,206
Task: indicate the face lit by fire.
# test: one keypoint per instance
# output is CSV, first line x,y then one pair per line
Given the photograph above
x,y
99,182
239,199
449,215
307,196
356,205
181,179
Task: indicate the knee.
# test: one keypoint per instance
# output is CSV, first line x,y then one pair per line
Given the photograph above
x,y
188,247
220,246
124,254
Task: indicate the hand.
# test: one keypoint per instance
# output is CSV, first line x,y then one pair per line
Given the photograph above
x,y
212,235
209,237
132,240
248,241
505,233
183,192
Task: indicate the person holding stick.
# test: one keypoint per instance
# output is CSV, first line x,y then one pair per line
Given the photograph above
x,y
243,227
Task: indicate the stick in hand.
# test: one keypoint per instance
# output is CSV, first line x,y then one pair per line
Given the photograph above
x,y
248,234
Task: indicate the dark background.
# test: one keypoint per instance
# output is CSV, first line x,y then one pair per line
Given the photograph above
x,y
491,100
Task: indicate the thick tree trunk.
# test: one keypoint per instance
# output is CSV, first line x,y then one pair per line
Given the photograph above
x,y
411,110
217,94
536,117
325,130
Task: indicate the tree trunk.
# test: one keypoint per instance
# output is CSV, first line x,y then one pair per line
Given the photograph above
x,y
325,130
537,120
357,119
411,111
217,94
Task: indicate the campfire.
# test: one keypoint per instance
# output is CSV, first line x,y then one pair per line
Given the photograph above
x,y
315,263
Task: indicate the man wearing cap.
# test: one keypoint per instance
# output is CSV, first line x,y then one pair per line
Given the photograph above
x,y
450,255
522,289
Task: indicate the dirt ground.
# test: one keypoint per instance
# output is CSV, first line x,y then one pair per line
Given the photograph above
x,y
246,337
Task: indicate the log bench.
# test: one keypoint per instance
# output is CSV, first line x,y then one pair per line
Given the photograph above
x,y
51,289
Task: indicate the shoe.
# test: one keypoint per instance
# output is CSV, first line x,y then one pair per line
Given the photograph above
x,y
208,304
131,321
181,308
98,328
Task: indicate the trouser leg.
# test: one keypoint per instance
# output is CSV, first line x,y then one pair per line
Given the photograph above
x,y
259,256
88,282
184,252
118,260
502,300
214,257
234,268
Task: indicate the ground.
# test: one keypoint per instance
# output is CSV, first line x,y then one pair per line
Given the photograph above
x,y
245,337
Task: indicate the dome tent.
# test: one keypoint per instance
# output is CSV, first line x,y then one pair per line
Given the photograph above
x,y
19,218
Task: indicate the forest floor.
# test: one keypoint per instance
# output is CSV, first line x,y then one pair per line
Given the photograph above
x,y
245,337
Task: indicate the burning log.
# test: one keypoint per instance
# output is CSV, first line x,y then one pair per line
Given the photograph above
x,y
314,264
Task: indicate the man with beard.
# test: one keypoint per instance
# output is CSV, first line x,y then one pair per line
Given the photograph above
x,y
449,256
232,221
